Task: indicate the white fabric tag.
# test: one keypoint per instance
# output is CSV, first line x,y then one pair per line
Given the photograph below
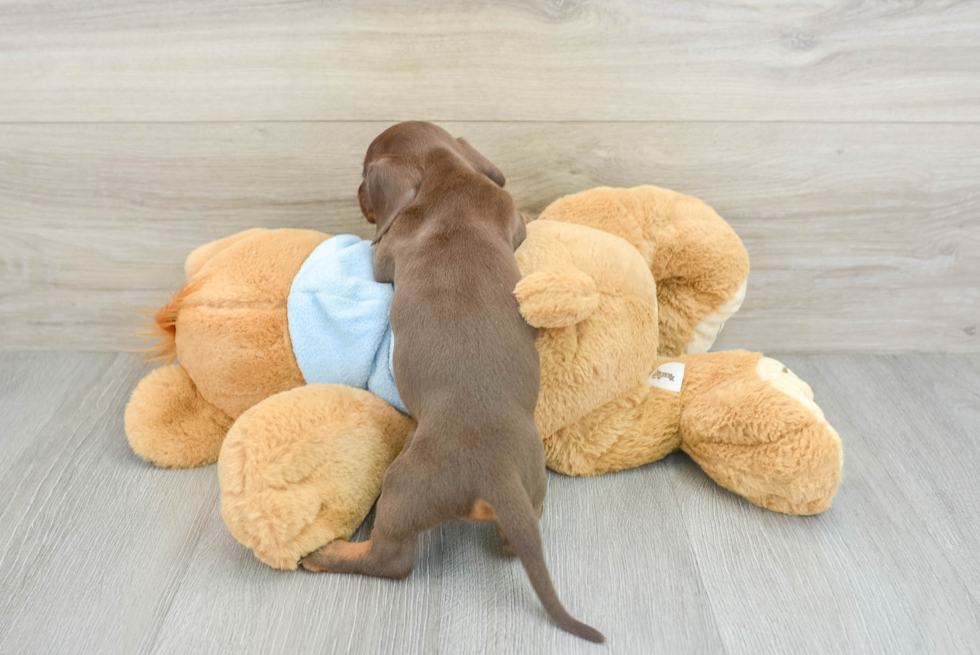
x,y
668,376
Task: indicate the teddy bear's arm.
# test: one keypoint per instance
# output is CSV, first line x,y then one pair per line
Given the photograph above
x,y
556,297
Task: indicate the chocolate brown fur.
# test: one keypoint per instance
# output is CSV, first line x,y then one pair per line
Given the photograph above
x,y
465,362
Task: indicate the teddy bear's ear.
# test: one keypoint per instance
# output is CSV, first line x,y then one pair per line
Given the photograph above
x,y
557,297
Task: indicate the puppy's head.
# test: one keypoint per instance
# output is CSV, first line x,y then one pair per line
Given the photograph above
x,y
395,163
479,163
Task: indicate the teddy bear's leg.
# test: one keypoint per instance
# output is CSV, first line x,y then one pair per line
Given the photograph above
x,y
303,468
758,432
697,260
700,265
634,429
685,328
169,423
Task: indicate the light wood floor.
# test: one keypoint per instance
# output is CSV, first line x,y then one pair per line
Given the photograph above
x,y
102,553
841,139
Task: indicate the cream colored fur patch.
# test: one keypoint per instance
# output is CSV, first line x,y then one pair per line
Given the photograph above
x,y
785,380
707,330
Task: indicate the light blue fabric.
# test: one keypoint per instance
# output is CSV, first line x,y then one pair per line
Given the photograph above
x,y
338,319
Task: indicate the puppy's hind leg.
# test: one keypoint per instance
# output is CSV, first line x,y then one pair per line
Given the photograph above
x,y
509,550
378,557
390,552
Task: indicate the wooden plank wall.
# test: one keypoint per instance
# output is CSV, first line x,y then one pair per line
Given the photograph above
x,y
840,139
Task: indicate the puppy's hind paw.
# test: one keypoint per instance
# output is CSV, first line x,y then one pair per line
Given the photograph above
x,y
337,557
315,562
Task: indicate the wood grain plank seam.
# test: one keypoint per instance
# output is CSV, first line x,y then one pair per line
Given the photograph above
x,y
672,478
152,637
475,121
964,432
55,487
899,489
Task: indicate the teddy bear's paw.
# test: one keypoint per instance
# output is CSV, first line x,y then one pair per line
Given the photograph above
x,y
708,330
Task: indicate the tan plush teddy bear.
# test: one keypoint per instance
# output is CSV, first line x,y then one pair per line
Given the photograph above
x,y
628,286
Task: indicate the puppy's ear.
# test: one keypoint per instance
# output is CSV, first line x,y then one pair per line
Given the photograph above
x,y
388,188
366,207
481,163
519,229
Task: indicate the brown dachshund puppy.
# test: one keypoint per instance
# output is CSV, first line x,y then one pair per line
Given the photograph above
x,y
464,361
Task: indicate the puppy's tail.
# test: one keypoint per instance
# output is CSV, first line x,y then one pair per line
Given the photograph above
x,y
519,522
